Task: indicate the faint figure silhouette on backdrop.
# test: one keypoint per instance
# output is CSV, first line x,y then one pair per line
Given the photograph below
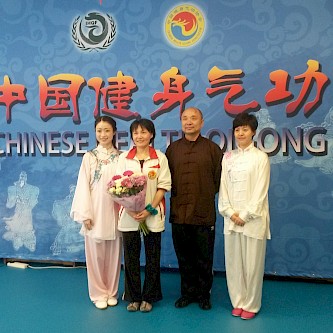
x,y
323,163
265,121
68,238
23,197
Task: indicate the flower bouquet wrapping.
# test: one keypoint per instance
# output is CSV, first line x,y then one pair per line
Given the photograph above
x,y
129,191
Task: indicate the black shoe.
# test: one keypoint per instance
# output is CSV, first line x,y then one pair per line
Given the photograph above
x,y
205,304
183,301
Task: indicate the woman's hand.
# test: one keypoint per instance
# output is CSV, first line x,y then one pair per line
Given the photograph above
x,y
131,213
237,220
88,224
140,217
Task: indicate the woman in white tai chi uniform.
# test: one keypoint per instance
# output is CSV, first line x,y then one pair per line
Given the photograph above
x,y
94,208
243,202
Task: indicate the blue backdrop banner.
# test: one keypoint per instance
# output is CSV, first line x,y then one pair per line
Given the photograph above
x,y
62,63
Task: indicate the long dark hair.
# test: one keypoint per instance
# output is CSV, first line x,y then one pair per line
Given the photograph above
x,y
113,124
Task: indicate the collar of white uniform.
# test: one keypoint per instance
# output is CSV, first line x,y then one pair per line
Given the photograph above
x,y
249,147
101,149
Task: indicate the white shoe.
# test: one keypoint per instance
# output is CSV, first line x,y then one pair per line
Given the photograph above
x,y
101,305
112,301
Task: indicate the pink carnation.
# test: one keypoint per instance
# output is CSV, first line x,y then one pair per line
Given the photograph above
x,y
127,183
127,186
140,181
111,183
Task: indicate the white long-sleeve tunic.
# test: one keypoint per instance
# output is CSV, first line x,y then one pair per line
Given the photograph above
x,y
244,190
91,200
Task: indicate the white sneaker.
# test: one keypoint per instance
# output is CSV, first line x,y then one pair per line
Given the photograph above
x,y
112,301
101,305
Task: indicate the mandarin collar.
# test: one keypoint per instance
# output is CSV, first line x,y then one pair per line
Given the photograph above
x,y
101,149
249,147
191,142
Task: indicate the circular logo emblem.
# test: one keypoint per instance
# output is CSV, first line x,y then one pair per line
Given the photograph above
x,y
95,31
184,25
152,174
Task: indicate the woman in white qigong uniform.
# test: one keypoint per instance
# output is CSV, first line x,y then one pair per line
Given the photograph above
x,y
93,207
243,202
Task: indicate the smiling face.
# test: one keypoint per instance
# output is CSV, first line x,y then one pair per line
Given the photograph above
x,y
141,137
243,136
104,134
192,122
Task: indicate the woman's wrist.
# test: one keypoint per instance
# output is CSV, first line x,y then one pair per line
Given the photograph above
x,y
151,210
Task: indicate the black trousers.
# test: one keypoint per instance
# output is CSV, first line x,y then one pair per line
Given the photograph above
x,y
151,291
194,246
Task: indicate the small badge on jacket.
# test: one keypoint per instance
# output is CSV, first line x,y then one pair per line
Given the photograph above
x,y
152,174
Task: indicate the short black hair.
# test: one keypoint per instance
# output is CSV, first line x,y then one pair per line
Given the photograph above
x,y
245,119
144,123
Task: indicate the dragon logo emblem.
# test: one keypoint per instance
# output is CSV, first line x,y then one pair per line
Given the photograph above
x,y
93,32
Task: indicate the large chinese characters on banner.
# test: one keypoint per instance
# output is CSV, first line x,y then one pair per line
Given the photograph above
x,y
82,59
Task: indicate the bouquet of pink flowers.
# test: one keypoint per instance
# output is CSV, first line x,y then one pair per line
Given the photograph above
x,y
129,191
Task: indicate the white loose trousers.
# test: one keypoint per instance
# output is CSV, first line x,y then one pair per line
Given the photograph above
x,y
245,263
